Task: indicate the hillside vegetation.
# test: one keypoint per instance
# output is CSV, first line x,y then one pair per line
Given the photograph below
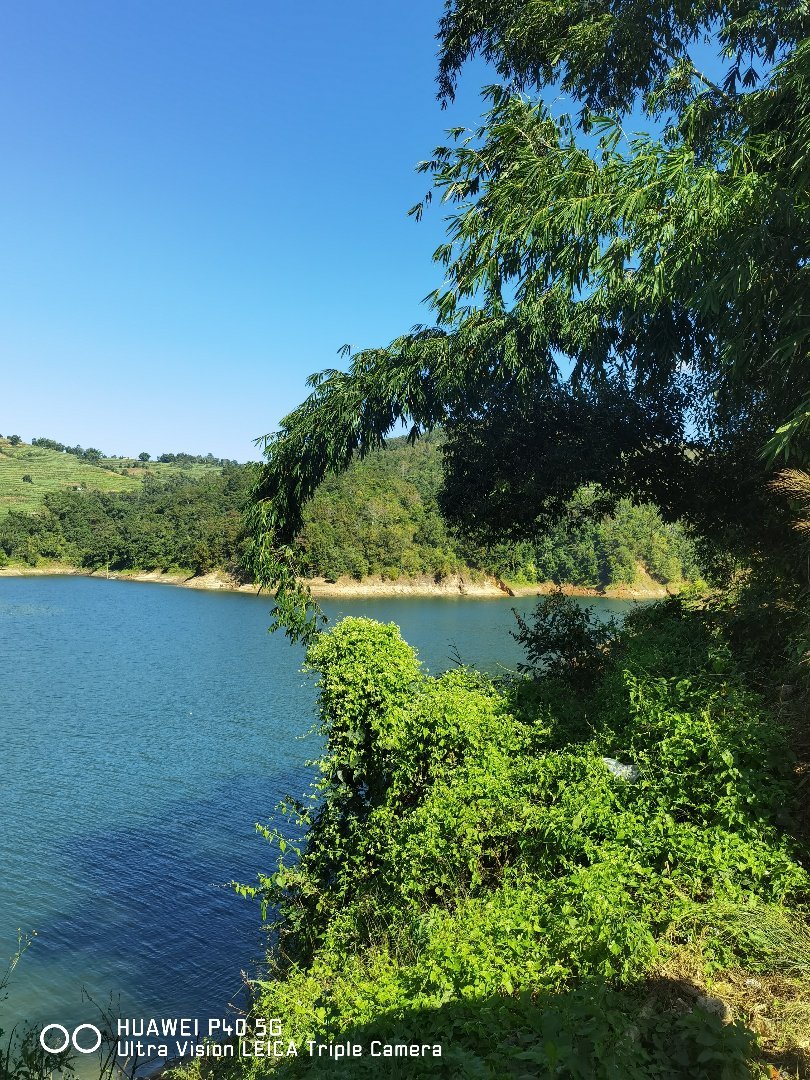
x,y
381,518
28,472
49,471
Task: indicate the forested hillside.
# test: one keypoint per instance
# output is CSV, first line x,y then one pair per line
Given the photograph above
x,y
383,517
380,518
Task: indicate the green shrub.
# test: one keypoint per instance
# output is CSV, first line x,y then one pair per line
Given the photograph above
x,y
468,853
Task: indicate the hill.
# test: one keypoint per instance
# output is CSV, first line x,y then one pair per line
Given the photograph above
x,y
381,520
52,470
382,517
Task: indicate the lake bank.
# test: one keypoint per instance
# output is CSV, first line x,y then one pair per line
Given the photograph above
x,y
454,585
147,730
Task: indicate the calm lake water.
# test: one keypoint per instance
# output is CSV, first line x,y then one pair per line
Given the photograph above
x,y
143,731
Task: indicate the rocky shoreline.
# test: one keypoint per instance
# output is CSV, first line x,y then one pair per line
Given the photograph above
x,y
453,586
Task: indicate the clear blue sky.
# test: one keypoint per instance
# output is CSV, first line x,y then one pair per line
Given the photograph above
x,y
200,202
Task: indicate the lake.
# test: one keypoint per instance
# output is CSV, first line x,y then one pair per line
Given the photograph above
x,y
144,730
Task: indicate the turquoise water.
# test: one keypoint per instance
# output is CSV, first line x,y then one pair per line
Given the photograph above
x,y
144,730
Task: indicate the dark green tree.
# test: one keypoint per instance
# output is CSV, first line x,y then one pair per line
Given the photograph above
x,y
628,305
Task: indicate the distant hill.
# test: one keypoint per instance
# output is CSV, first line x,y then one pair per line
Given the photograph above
x,y
380,519
48,470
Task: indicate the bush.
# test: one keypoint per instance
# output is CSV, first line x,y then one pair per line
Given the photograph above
x,y
468,853
565,639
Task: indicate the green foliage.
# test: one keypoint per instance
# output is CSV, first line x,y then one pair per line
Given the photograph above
x,y
469,871
565,640
381,518
184,459
180,523
50,471
612,62
595,541
55,467
665,271
97,457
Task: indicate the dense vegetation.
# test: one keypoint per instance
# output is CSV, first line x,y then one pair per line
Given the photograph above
x,y
383,517
553,875
29,472
380,518
597,869
547,875
195,524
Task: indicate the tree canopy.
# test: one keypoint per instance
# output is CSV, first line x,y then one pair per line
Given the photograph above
x,y
632,305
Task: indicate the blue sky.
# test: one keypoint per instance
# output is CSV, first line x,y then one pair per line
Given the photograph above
x,y
200,202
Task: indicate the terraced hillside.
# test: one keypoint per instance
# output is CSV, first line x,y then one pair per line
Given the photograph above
x,y
50,470
56,470
159,469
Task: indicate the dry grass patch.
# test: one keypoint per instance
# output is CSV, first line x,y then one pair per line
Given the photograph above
x,y
771,996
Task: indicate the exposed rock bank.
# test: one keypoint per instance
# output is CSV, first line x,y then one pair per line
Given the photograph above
x,y
454,585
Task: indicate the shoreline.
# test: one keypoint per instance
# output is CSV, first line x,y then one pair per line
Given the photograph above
x,y
453,586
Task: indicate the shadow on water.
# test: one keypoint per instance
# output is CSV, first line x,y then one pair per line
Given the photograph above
x,y
150,906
